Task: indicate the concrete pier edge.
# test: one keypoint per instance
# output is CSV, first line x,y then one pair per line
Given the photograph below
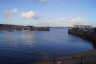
x,y
87,57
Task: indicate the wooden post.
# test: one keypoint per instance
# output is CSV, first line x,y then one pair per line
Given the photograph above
x,y
81,61
54,61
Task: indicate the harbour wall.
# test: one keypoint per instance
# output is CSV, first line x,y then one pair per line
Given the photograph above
x,y
86,34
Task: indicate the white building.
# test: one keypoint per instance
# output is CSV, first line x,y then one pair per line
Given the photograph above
x,y
83,26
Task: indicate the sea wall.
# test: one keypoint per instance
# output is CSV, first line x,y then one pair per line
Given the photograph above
x,y
88,34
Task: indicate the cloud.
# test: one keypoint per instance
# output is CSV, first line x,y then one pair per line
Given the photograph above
x,y
29,15
59,22
10,13
77,20
71,21
62,20
52,22
43,1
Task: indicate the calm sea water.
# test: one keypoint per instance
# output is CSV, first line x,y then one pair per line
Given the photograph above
x,y
23,47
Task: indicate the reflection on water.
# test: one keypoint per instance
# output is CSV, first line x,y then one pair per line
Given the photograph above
x,y
28,38
25,37
23,47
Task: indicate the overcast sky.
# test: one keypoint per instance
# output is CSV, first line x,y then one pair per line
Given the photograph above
x,y
48,12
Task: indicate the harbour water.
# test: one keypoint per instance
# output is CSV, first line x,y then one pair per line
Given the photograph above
x,y
25,47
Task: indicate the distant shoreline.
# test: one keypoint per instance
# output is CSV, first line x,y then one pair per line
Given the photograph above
x,y
8,27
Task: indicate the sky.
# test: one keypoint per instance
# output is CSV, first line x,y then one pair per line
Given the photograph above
x,y
51,13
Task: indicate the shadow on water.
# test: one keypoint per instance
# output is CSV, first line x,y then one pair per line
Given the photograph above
x,y
92,42
94,45
89,40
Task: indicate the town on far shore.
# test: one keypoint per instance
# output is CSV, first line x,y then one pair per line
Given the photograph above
x,y
9,27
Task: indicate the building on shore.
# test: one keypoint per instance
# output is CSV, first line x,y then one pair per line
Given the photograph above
x,y
83,27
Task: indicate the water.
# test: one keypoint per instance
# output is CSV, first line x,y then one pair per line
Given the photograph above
x,y
23,47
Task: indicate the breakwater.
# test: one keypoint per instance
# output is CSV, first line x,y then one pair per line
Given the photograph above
x,y
86,34
40,29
